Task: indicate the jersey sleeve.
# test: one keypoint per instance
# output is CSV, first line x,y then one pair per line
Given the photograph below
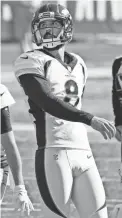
x,y
5,120
5,97
28,63
44,99
82,63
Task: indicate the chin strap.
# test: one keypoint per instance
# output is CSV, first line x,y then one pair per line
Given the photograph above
x,y
51,44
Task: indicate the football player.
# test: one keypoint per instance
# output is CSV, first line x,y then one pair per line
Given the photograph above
x,y
117,108
117,96
10,156
53,81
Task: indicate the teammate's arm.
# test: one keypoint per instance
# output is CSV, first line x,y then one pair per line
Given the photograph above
x,y
14,161
117,96
117,91
39,91
9,144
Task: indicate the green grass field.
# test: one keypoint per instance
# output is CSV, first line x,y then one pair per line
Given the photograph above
x,y
97,100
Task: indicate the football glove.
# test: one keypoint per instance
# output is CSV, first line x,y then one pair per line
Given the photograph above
x,y
22,201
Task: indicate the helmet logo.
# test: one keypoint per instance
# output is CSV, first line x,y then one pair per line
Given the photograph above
x,y
46,15
65,12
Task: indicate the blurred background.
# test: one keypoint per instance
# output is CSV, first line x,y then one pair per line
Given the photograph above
x,y
97,39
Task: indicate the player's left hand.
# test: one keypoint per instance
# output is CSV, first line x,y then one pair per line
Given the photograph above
x,y
22,201
119,133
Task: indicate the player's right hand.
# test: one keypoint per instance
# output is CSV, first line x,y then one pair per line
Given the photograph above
x,y
105,127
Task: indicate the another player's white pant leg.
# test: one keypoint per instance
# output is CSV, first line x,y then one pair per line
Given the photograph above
x,y
88,193
117,212
54,178
3,181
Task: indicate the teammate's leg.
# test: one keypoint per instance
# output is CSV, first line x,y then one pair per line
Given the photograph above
x,y
3,181
54,178
88,193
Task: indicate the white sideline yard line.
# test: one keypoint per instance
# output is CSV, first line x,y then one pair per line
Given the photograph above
x,y
13,209
108,160
110,204
104,179
9,204
23,127
109,201
30,127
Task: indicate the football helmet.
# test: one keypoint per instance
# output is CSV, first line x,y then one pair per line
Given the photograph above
x,y
56,13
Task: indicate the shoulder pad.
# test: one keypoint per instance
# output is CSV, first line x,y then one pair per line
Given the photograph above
x,y
29,63
2,89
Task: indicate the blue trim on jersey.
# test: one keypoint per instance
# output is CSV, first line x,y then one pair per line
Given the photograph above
x,y
5,120
46,66
42,182
39,121
69,60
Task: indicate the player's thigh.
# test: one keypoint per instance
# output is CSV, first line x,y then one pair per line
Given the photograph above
x,y
88,194
54,178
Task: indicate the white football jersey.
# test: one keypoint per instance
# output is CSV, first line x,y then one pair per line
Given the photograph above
x,y
6,98
67,83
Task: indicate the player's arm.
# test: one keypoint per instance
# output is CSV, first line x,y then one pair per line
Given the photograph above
x,y
30,72
9,144
14,161
31,75
39,91
7,136
117,96
117,90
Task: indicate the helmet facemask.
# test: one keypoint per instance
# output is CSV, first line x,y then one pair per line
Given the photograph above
x,y
51,32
